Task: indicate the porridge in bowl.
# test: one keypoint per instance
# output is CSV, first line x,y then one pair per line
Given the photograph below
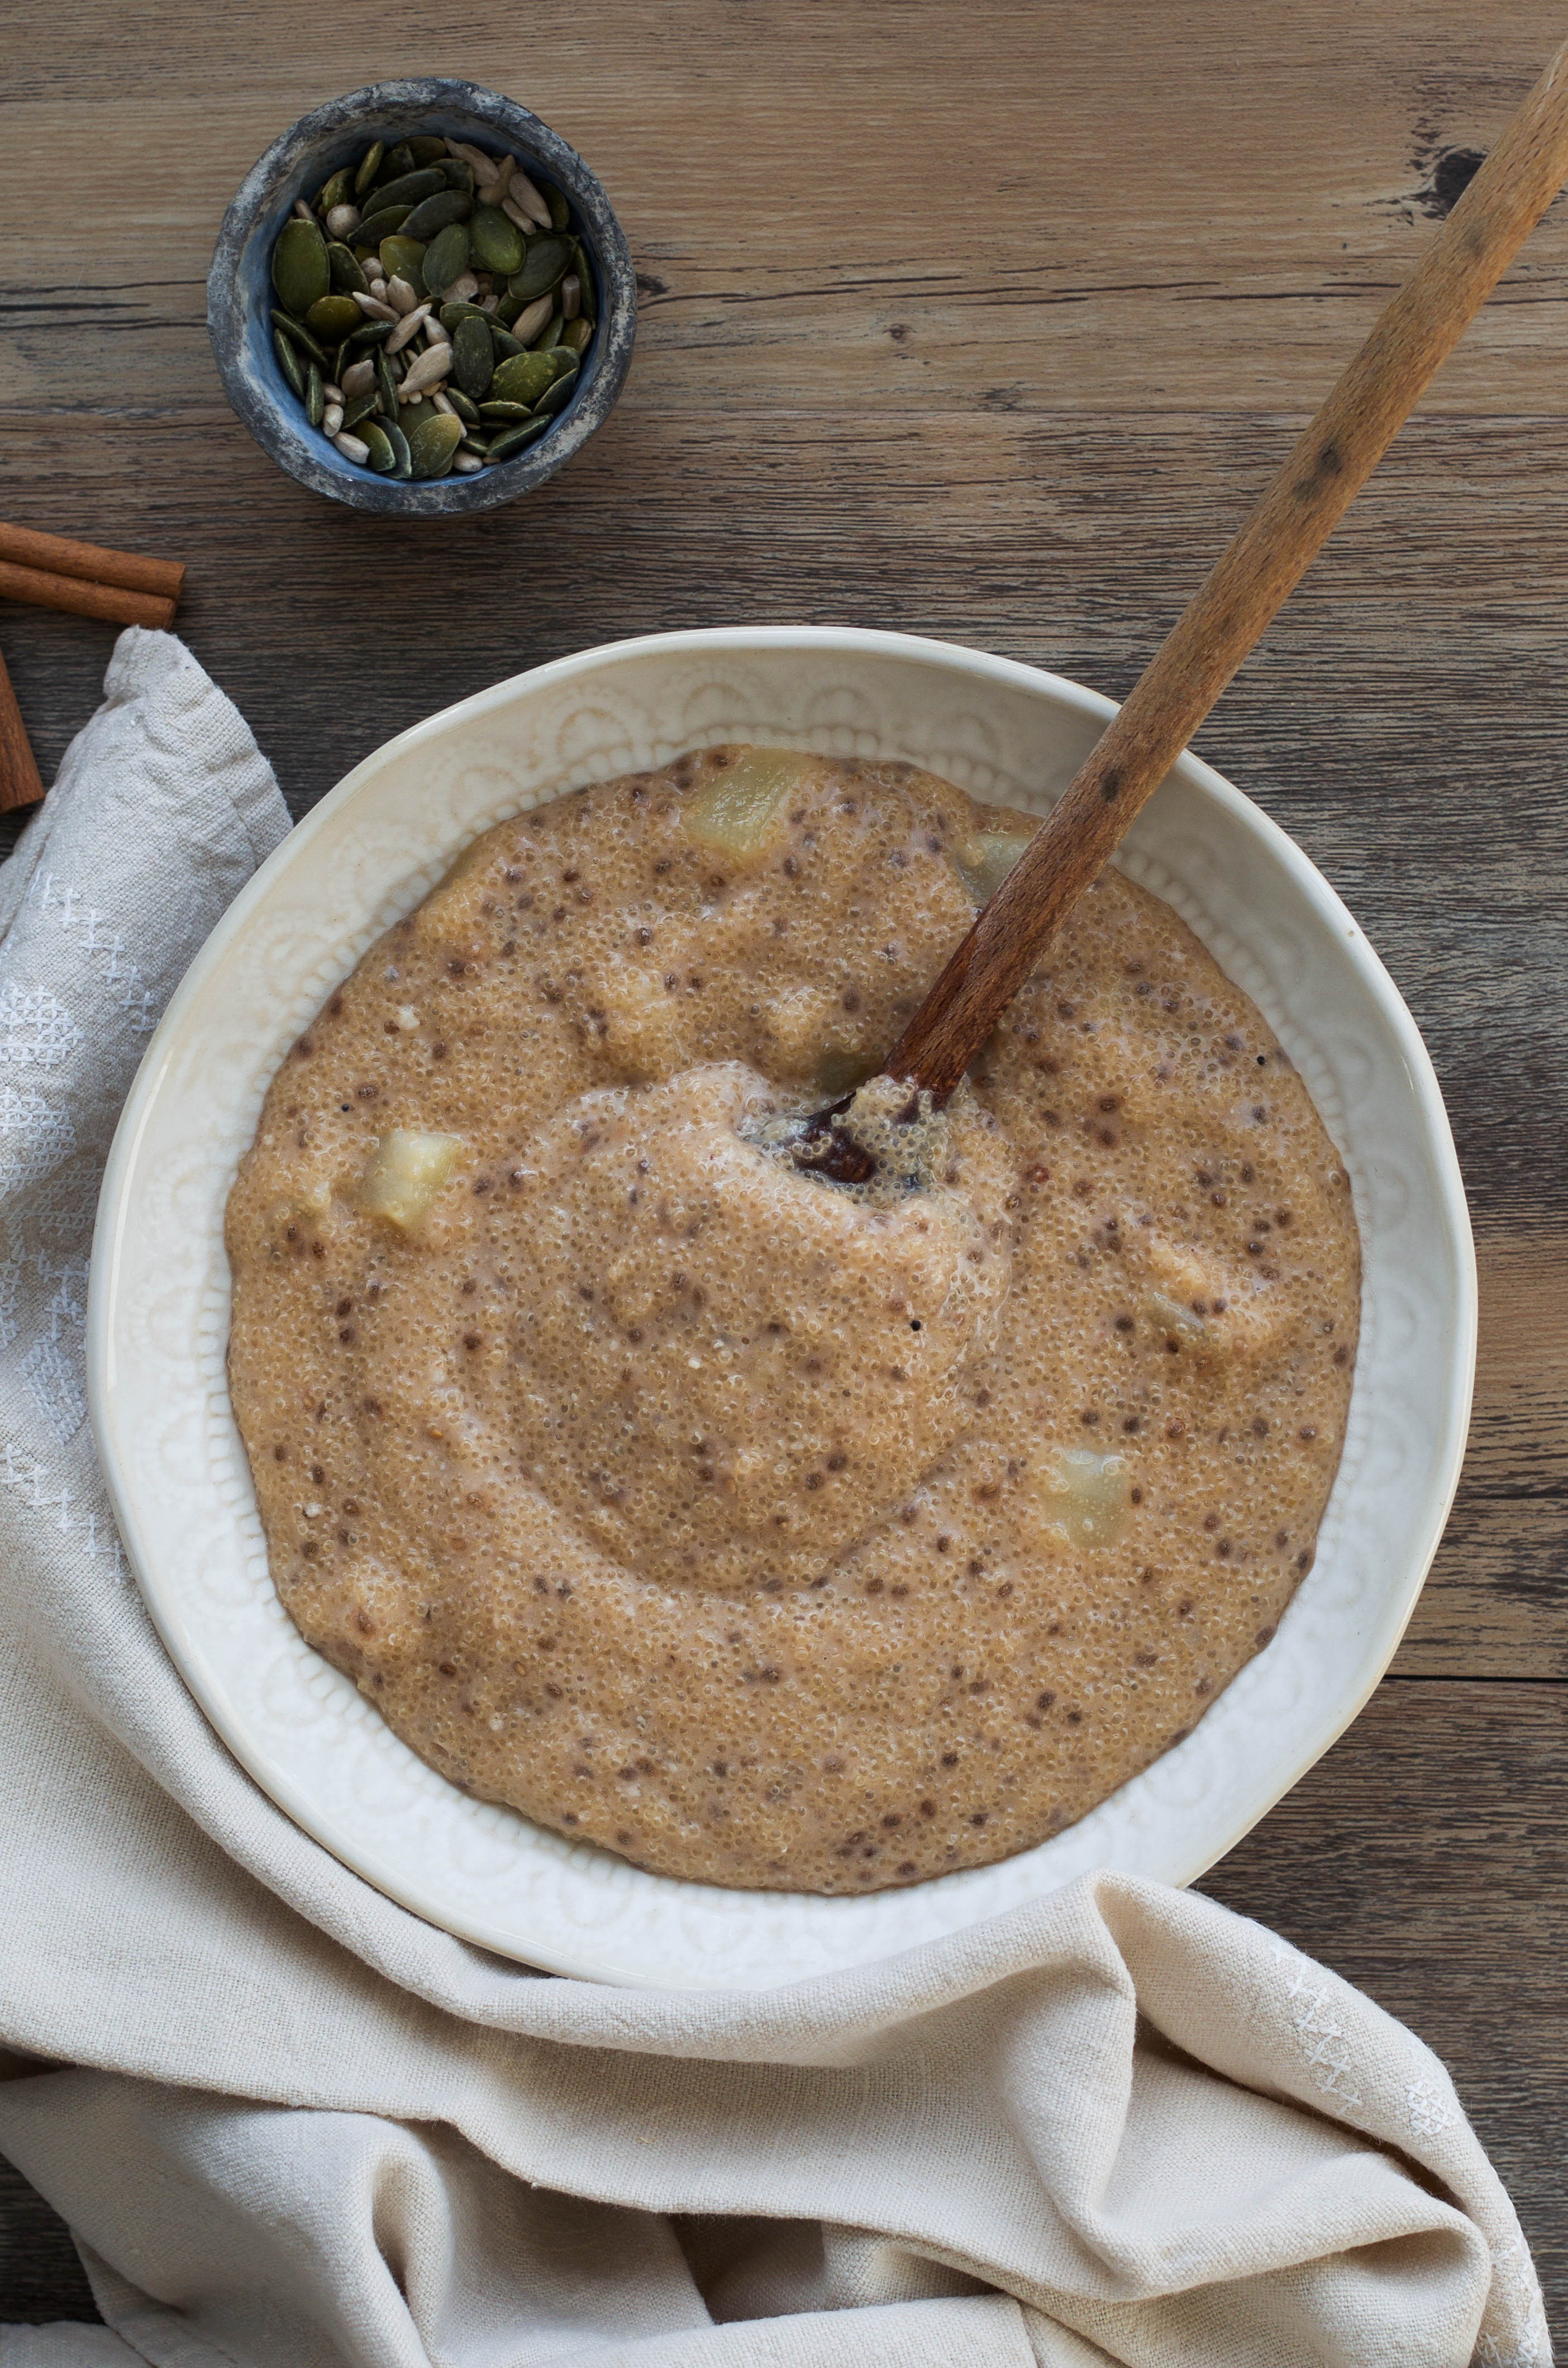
x,y
768,1533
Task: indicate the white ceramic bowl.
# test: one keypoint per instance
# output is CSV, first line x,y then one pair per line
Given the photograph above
x,y
158,1314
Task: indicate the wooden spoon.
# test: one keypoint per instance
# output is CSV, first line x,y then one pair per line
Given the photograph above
x,y
1290,524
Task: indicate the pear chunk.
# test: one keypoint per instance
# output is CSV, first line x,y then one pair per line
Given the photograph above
x,y
739,812
404,1173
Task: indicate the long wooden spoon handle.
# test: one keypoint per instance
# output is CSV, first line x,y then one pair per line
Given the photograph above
x,y
1327,469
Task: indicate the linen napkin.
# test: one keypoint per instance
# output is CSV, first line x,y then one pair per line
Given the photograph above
x,y
290,2125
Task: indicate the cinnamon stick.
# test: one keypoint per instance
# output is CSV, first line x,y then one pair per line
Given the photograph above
x,y
20,781
24,546
83,598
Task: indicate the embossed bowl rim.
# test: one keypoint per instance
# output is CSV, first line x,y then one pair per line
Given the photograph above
x,y
157,1309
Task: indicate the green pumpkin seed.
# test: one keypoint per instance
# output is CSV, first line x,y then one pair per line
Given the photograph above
x,y
408,188
378,225
505,347
508,309
404,258
427,151
288,362
560,212
544,264
522,378
434,444
452,314
331,318
517,440
315,403
361,408
373,435
459,174
550,335
414,415
438,214
386,384
334,192
371,333
574,336
465,407
346,274
557,397
474,357
584,271
374,157
403,467
498,409
395,164
300,272
299,337
495,242
445,258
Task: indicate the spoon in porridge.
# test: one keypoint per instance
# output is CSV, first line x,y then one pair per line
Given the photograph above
x,y
1262,565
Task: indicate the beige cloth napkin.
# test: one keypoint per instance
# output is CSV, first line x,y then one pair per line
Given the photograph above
x,y
292,2125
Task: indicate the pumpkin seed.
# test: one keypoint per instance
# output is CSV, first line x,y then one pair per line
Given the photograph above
x,y
433,214
371,164
498,409
517,440
414,415
460,174
380,225
560,212
300,272
336,192
464,405
299,337
404,258
332,318
343,265
556,398
474,357
395,164
522,378
383,460
433,444
584,271
550,335
386,384
505,345
409,188
452,314
496,244
315,401
359,406
391,430
574,336
445,258
426,149
371,333
288,362
544,264
508,310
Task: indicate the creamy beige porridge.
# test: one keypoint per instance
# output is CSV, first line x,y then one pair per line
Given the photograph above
x,y
768,1533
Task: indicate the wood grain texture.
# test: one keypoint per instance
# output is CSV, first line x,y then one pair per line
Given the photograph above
x,y
955,323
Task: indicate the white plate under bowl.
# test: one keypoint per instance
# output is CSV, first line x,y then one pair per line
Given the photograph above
x,y
158,1315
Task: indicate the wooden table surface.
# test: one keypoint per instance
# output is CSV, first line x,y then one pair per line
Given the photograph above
x,y
984,321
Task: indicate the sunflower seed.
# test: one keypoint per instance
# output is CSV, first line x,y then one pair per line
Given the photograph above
x,y
446,410
373,308
463,290
429,370
302,210
407,327
570,296
341,219
350,447
332,393
465,462
401,296
358,378
332,419
532,319
532,198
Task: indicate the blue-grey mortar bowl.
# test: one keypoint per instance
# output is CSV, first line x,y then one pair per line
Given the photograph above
x,y
239,287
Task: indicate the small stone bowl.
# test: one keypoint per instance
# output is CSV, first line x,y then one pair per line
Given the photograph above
x,y
240,296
